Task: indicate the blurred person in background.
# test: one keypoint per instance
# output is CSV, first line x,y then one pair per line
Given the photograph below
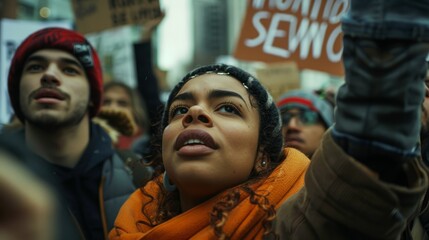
x,y
305,117
119,98
141,104
124,118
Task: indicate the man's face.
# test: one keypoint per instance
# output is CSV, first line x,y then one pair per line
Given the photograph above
x,y
54,90
302,129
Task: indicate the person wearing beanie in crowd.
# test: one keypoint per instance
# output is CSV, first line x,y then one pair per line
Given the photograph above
x,y
216,157
305,117
55,88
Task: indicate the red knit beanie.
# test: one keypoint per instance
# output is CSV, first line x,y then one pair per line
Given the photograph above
x,y
61,39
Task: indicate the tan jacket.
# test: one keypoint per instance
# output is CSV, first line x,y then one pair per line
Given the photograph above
x,y
342,199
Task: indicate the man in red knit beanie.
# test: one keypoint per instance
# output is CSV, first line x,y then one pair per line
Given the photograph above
x,y
55,88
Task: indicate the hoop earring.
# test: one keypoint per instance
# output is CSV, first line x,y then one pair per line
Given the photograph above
x,y
167,185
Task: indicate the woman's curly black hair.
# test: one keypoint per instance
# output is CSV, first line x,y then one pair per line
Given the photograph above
x,y
270,142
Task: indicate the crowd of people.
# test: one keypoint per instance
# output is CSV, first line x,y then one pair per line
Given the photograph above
x,y
221,159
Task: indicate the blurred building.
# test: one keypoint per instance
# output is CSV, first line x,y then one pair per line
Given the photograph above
x,y
193,33
210,26
43,10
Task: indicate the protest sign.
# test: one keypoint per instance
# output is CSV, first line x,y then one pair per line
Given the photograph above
x,y
8,8
279,78
115,50
305,31
97,15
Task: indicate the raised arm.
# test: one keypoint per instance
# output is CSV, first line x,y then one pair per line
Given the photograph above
x,y
147,82
367,179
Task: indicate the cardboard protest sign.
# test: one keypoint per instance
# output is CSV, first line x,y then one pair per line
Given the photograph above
x,y
97,15
307,32
8,8
279,78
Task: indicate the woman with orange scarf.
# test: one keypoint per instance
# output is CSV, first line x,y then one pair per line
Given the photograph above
x,y
223,172
212,125
211,128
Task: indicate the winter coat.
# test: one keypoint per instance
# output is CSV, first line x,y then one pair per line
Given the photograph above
x,y
95,189
115,187
342,199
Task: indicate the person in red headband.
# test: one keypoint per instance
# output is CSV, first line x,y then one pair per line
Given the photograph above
x,y
305,118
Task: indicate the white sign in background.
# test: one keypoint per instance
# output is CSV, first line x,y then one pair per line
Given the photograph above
x,y
115,50
12,33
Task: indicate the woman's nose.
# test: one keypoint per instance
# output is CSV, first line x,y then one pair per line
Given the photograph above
x,y
196,114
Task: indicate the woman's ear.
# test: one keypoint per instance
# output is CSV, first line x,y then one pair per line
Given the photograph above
x,y
261,163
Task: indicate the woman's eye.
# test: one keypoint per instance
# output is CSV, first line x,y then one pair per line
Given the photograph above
x,y
178,111
228,108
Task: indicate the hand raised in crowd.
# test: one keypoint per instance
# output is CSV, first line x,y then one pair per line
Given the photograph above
x,y
26,203
149,26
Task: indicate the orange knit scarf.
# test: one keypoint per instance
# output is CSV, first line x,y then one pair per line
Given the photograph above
x,y
244,221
